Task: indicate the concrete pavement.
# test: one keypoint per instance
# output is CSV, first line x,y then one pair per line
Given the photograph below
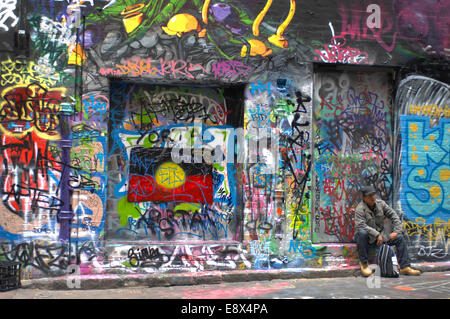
x,y
430,285
114,281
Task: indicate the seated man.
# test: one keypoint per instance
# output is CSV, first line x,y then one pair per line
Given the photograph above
x,y
369,223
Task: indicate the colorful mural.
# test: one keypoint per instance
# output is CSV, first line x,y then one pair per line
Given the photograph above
x,y
157,196
353,137
423,185
152,136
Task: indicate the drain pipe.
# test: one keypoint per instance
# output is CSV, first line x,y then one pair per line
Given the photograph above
x,y
65,216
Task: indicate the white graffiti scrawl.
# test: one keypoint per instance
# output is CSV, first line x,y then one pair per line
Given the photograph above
x,y
7,8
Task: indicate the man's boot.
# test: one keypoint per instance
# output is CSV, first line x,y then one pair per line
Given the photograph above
x,y
366,271
409,271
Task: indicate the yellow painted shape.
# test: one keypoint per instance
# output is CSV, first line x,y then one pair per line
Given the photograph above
x,y
180,24
170,175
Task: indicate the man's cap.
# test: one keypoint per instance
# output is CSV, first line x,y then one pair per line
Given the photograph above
x,y
368,190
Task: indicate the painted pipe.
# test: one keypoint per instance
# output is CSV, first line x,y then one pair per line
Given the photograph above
x,y
260,17
279,39
205,11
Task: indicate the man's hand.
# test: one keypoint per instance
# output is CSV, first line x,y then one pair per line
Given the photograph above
x,y
392,236
379,240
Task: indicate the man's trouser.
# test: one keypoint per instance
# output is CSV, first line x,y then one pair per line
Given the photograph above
x,y
362,242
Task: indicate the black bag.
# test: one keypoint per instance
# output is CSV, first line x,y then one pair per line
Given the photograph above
x,y
387,261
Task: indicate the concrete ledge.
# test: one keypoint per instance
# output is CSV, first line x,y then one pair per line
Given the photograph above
x,y
206,278
235,276
187,279
111,281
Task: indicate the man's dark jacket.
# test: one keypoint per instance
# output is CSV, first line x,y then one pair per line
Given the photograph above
x,y
373,222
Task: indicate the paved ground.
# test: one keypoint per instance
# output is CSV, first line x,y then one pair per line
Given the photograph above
x,y
430,285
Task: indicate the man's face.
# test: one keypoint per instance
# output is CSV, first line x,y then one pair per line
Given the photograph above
x,y
370,199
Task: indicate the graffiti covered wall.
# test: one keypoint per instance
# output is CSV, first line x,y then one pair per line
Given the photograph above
x,y
353,117
424,150
157,198
195,135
